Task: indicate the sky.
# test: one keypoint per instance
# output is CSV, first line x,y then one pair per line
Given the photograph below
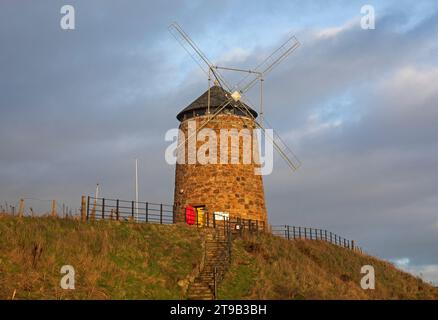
x,y
359,108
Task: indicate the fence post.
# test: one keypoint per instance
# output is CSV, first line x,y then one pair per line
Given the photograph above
x,y
132,210
224,226
83,209
331,237
257,226
320,234
53,209
206,216
88,207
325,235
305,233
21,208
214,220
299,232
352,245
103,209
288,234
293,231
147,211
161,213
117,209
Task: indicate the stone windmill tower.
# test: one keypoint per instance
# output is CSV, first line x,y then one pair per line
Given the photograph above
x,y
231,188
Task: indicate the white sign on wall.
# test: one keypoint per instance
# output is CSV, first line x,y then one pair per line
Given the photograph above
x,y
221,215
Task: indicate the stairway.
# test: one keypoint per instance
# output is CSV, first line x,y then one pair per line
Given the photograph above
x,y
202,288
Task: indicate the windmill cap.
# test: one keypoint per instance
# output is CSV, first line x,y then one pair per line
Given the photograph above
x,y
218,96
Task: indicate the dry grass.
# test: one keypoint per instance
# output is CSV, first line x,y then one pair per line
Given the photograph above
x,y
267,267
111,260
129,261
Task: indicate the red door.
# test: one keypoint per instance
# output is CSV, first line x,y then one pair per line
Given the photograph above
x,y
190,215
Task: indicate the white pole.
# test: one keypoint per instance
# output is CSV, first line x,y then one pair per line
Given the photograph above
x,y
97,191
136,189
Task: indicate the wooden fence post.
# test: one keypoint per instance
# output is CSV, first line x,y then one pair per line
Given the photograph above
x,y
83,209
53,209
88,207
288,234
21,208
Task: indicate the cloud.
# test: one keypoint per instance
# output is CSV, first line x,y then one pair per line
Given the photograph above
x,y
428,273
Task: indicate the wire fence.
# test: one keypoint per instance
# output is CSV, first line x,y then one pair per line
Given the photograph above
x,y
28,206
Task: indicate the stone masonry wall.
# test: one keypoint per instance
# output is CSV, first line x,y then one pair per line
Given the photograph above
x,y
233,188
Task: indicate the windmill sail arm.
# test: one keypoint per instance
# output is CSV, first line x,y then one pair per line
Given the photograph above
x,y
283,150
218,111
195,53
188,44
266,66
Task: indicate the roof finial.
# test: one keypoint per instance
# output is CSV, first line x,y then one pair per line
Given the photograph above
x,y
216,83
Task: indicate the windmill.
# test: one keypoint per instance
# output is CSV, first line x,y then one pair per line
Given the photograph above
x,y
239,90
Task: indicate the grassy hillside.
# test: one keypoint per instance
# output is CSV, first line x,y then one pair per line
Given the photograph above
x,y
266,267
128,261
111,260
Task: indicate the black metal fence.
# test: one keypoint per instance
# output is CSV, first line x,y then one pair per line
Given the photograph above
x,y
122,210
294,233
149,212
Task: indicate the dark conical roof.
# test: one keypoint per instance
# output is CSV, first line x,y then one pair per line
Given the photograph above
x,y
218,96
